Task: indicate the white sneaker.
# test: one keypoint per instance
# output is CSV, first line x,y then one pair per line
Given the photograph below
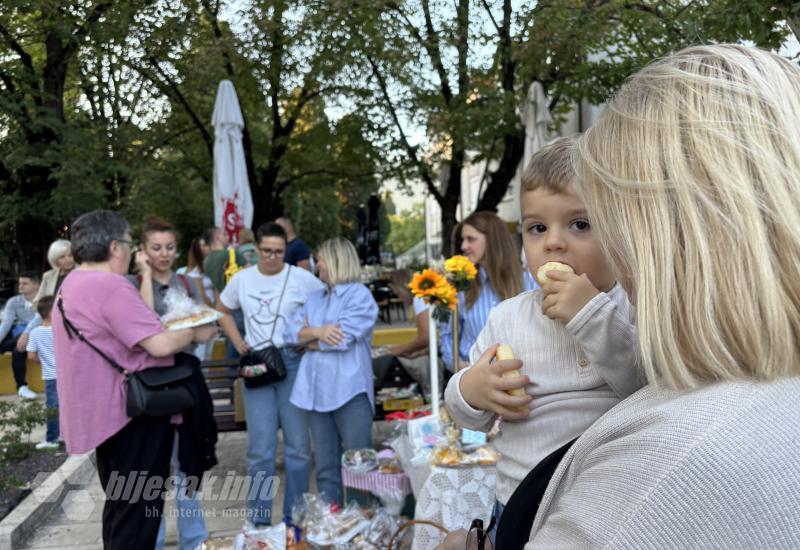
x,y
25,392
46,446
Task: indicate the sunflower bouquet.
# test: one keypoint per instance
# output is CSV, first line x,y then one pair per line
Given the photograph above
x,y
460,272
440,290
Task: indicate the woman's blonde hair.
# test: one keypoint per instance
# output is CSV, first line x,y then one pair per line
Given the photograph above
x,y
342,260
500,259
58,248
692,182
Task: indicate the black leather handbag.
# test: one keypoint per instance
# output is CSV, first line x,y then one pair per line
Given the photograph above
x,y
153,392
259,367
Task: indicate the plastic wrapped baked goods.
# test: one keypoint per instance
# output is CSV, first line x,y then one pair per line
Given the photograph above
x,y
541,273
389,466
453,457
482,455
183,312
447,456
268,538
325,528
360,461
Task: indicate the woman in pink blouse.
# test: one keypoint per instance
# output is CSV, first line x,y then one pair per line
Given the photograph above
x,y
111,314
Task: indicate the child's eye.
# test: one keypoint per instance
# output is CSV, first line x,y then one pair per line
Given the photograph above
x,y
580,225
537,228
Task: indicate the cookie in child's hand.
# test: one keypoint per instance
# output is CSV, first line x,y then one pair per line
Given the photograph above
x,y
541,273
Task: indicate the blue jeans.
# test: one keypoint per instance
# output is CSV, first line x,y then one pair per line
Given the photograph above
x,y
191,523
267,408
238,317
51,402
348,427
497,513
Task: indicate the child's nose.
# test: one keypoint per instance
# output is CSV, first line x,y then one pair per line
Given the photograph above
x,y
554,240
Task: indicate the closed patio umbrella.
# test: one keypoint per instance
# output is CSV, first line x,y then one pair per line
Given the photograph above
x,y
536,117
233,203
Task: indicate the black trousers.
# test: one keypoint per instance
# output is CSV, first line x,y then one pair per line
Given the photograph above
x,y
17,359
126,462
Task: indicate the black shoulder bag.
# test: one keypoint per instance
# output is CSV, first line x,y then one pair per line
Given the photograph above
x,y
259,367
157,391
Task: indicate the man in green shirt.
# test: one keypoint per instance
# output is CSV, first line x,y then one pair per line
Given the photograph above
x,y
214,266
217,260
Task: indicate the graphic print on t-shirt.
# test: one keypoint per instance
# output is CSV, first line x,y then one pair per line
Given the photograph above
x,y
263,306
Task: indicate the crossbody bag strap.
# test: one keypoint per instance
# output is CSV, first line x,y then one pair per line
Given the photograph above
x,y
70,328
277,311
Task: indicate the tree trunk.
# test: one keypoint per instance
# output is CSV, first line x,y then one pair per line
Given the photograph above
x,y
500,179
55,74
450,200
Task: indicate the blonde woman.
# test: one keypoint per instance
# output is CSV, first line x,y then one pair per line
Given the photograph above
x,y
691,181
335,380
59,256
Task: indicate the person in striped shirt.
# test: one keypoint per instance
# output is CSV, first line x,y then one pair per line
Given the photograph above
x,y
486,241
40,350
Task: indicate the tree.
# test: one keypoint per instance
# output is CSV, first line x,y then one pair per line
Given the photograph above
x,y
408,228
474,61
285,57
106,104
42,139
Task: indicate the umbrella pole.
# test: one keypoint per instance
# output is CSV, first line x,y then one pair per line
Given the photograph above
x,y
434,358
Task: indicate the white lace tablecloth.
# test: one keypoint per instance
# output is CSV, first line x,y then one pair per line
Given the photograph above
x,y
453,497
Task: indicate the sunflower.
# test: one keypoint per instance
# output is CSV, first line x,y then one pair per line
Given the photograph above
x,y
448,297
427,283
461,268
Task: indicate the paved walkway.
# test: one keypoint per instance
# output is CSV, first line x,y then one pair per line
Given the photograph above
x,y
77,522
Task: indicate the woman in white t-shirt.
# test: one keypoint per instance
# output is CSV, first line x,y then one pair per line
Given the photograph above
x,y
268,294
413,355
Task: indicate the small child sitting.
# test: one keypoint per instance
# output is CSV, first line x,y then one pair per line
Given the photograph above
x,y
574,339
40,350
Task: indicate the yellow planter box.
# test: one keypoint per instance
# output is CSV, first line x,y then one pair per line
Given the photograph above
x,y
33,376
393,336
381,337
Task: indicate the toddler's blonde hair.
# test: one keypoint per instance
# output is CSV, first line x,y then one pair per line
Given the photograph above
x,y
552,167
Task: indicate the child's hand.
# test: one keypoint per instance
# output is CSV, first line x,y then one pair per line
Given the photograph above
x,y
484,387
566,294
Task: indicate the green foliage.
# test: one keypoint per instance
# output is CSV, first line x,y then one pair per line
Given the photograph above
x,y
128,125
408,228
108,104
17,420
619,37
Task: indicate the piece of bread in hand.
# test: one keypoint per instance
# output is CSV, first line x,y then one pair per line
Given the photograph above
x,y
505,352
541,273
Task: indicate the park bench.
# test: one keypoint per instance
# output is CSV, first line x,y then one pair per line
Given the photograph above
x,y
220,376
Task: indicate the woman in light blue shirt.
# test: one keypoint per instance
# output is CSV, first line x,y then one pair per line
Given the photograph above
x,y
335,380
486,241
